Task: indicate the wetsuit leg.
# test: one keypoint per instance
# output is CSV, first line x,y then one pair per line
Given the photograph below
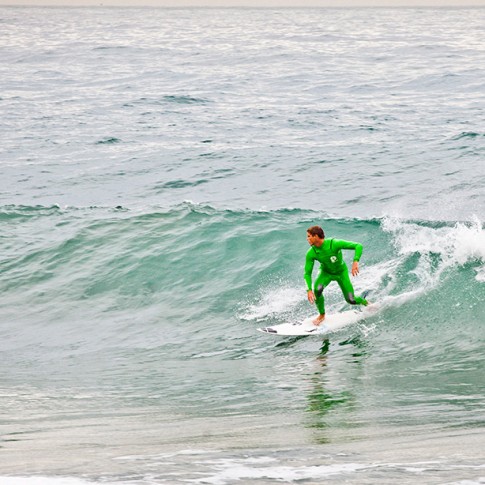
x,y
323,279
348,290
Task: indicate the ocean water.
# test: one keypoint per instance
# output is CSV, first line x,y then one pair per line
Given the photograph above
x,y
159,168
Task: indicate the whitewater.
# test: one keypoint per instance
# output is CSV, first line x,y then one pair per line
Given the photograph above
x,y
159,169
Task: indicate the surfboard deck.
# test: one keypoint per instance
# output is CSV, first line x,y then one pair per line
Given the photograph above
x,y
331,323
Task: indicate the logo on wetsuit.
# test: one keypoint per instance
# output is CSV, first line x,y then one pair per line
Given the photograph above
x,y
333,259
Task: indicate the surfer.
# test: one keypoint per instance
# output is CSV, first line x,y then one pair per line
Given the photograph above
x,y
328,252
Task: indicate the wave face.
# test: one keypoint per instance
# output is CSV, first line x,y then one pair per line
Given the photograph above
x,y
194,260
184,280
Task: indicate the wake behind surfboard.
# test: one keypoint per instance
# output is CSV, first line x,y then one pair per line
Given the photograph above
x,y
331,323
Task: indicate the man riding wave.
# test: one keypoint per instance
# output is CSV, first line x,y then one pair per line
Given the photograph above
x,y
328,252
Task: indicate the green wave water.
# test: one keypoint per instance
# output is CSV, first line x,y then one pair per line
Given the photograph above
x,y
224,270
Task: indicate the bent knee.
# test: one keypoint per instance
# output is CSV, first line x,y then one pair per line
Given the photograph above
x,y
350,299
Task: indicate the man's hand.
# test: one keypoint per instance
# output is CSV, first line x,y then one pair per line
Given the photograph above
x,y
355,268
311,296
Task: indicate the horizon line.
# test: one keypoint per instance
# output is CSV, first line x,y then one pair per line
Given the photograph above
x,y
250,7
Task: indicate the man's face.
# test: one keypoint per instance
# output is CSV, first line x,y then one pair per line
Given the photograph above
x,y
311,239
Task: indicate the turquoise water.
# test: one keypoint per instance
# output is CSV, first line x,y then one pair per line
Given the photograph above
x,y
159,171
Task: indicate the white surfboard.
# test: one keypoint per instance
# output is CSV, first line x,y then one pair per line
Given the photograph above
x,y
332,322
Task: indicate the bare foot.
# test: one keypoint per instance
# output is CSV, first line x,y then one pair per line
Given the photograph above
x,y
317,321
372,307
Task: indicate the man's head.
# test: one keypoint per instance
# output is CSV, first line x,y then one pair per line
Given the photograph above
x,y
315,235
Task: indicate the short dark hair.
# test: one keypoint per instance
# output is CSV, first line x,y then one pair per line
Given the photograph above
x,y
316,231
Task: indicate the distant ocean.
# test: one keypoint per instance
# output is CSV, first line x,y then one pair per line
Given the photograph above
x,y
159,169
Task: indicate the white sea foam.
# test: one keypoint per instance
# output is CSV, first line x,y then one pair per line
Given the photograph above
x,y
480,274
230,471
455,245
274,302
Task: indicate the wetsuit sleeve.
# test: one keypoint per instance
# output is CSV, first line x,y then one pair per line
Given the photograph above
x,y
309,262
357,247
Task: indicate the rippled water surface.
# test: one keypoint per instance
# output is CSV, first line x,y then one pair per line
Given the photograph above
x,y
159,168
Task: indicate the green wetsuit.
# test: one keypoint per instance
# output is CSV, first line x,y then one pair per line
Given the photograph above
x,y
332,268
